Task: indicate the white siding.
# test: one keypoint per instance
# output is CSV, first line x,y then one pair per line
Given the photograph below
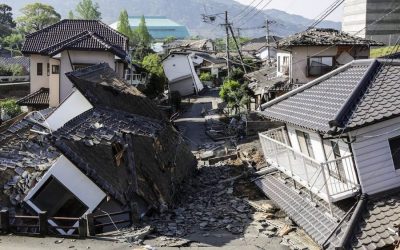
x,y
73,106
373,156
80,57
42,81
176,66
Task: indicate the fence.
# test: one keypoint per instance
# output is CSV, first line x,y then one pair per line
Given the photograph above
x,y
38,225
8,79
331,180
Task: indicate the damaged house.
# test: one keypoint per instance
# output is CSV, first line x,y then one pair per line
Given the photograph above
x,y
69,45
334,166
106,148
307,55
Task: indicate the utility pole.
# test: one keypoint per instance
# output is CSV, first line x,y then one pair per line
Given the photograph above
x,y
267,23
227,43
238,49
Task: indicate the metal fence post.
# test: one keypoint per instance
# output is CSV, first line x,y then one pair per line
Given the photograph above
x,y
5,221
43,223
327,189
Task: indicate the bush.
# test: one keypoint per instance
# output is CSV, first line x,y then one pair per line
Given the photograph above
x,y
234,94
12,70
206,77
10,107
152,64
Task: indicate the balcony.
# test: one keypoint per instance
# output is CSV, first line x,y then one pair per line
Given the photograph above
x,y
332,181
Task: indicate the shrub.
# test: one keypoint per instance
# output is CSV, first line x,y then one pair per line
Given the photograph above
x,y
12,70
206,77
234,94
10,107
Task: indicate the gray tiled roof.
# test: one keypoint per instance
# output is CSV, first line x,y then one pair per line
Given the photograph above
x,y
375,227
324,37
38,98
364,91
313,220
66,30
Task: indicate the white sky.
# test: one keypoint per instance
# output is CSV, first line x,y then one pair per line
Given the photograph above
x,y
306,8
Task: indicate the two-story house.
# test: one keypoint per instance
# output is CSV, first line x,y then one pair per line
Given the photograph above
x,y
335,165
65,46
307,55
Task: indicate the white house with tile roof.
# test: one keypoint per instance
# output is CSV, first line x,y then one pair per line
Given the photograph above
x,y
341,139
69,45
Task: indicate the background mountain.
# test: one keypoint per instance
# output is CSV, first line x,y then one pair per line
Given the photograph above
x,y
188,12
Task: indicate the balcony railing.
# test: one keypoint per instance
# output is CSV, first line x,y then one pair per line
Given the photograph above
x,y
332,180
136,79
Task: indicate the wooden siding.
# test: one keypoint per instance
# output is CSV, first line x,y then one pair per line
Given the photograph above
x,y
373,156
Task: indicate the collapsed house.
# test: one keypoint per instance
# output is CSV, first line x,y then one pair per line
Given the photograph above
x,y
181,74
106,148
334,166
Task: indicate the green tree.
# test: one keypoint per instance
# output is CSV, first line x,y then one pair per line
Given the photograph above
x,y
234,94
13,43
10,107
124,26
152,63
88,10
6,20
37,16
169,39
143,33
71,15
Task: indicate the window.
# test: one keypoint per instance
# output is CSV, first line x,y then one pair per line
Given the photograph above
x,y
39,69
58,201
55,69
305,143
48,69
318,66
78,66
394,144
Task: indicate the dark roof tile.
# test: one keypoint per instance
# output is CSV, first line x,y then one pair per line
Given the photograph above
x,y
38,98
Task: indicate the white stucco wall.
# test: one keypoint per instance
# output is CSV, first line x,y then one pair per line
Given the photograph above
x,y
54,84
42,81
263,54
80,57
176,66
74,105
373,156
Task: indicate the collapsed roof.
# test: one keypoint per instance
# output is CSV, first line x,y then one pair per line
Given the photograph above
x,y
256,44
188,44
24,157
355,95
324,37
76,35
124,144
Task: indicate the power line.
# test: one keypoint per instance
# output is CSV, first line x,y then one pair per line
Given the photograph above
x,y
326,13
245,9
254,9
255,14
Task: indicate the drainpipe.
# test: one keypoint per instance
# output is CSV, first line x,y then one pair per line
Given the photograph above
x,y
352,223
350,139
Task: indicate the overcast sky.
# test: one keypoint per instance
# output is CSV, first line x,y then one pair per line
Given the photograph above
x,y
306,8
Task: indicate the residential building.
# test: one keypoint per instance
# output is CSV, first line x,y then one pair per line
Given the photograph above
x,y
260,48
160,27
90,154
181,74
70,45
312,53
360,18
334,166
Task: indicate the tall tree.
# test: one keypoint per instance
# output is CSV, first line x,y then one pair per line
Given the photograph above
x,y
88,10
13,43
124,26
37,16
6,20
71,15
143,33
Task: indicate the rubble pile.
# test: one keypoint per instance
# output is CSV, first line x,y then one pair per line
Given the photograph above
x,y
24,157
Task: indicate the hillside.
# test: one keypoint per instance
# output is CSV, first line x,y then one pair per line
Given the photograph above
x,y
188,12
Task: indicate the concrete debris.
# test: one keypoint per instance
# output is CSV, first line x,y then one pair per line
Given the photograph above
x,y
285,230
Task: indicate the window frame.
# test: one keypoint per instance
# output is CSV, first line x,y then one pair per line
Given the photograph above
x,y
55,69
307,142
322,69
39,69
390,140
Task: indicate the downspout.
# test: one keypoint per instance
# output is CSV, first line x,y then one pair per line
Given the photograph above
x,y
323,146
353,156
352,223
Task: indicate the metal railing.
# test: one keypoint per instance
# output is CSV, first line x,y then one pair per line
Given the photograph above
x,y
8,79
330,180
136,79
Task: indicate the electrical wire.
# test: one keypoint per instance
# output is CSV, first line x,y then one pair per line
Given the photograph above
x,y
254,9
245,9
325,13
244,21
